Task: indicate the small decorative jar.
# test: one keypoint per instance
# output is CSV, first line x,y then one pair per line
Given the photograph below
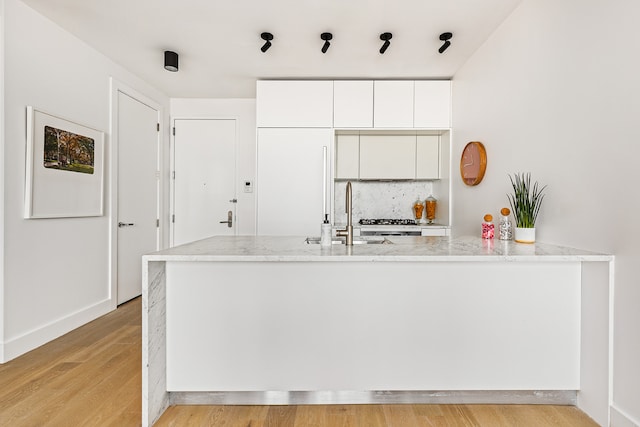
x,y
418,207
431,204
488,229
506,228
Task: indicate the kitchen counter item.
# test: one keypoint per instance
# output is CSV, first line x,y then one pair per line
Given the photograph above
x,y
488,228
431,204
418,207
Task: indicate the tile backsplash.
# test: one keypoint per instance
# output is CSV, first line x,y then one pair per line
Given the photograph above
x,y
380,199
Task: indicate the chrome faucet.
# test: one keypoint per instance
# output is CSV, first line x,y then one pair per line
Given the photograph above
x,y
348,232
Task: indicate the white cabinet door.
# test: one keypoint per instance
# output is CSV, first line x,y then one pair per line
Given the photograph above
x,y
299,103
432,104
290,181
428,157
393,104
387,156
347,156
353,103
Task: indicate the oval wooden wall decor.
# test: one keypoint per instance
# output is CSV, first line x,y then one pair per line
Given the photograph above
x,y
473,163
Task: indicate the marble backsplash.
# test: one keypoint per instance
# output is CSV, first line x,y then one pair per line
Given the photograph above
x,y
380,199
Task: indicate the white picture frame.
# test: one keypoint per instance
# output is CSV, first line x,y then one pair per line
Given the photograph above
x,y
67,179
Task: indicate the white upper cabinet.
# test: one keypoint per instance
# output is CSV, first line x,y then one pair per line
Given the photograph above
x,y
432,104
353,103
387,156
393,103
299,103
428,157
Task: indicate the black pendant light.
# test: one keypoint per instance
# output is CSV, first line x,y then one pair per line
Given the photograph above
x,y
170,61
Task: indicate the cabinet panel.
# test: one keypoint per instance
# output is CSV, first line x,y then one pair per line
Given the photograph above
x,y
353,103
347,156
289,103
290,181
428,157
432,107
387,156
393,104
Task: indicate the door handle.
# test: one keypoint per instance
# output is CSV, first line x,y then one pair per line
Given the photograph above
x,y
125,224
229,220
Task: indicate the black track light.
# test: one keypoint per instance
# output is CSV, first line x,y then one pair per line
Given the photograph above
x,y
386,37
170,61
445,38
326,37
267,37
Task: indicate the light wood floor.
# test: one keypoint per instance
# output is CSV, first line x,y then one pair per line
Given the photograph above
x,y
92,377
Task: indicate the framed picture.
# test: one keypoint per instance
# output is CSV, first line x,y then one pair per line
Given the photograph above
x,y
65,168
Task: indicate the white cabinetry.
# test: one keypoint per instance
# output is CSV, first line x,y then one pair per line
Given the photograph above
x,y
347,156
393,104
299,103
353,103
432,104
428,157
290,180
387,156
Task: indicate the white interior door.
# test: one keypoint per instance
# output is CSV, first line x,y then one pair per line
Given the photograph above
x,y
204,180
138,180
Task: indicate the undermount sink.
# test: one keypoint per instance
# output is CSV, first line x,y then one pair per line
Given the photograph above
x,y
356,241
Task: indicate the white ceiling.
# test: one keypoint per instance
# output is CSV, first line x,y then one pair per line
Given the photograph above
x,y
219,41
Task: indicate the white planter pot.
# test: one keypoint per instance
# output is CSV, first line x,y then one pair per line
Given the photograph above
x,y
525,235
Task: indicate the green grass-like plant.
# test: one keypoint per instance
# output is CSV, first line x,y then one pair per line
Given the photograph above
x,y
526,200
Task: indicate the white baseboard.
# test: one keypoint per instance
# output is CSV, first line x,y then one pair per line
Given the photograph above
x,y
42,335
619,418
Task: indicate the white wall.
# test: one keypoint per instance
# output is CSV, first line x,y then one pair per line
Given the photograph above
x,y
56,273
243,110
1,180
555,92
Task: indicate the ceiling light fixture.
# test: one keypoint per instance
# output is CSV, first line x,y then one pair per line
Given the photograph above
x,y
170,61
386,37
267,37
445,38
326,37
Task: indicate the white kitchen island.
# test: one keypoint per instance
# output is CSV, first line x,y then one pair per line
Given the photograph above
x,y
274,320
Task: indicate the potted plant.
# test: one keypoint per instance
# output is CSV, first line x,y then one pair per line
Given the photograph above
x,y
525,202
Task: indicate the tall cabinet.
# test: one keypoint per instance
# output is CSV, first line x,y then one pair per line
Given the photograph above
x,y
294,152
292,180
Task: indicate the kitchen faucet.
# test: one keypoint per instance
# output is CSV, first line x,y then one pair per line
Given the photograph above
x,y
348,232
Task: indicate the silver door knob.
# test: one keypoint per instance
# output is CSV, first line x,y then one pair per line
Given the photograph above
x,y
125,224
229,220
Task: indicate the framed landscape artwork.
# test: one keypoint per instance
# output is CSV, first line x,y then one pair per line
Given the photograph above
x,y
65,168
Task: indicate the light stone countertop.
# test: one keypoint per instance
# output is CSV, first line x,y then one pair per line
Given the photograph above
x,y
402,249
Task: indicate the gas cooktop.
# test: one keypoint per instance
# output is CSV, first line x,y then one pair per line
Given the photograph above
x,y
366,221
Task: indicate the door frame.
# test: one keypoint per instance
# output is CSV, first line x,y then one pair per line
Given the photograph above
x,y
115,87
172,167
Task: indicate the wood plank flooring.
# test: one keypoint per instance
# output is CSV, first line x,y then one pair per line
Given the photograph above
x,y
92,377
